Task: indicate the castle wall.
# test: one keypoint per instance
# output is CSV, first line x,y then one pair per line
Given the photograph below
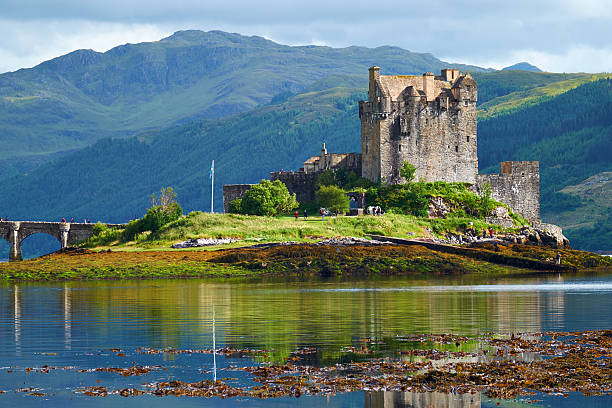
x,y
232,192
301,183
518,185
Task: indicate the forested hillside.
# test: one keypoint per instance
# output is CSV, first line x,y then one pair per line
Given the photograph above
x,y
113,179
571,136
563,120
73,100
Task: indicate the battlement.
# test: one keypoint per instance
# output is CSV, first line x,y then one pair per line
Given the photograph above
x,y
517,185
521,168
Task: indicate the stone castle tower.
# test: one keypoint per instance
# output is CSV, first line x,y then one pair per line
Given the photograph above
x,y
429,121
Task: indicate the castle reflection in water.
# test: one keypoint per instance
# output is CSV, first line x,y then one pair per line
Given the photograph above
x,y
390,399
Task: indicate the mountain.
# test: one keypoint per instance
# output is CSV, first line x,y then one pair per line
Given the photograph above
x,y
522,66
92,135
74,100
569,133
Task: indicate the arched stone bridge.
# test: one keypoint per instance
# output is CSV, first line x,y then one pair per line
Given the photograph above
x,y
65,232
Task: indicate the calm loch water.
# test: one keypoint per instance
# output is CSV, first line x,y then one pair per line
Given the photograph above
x,y
72,327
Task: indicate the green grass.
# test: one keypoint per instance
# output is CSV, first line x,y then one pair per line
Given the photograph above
x,y
521,99
251,229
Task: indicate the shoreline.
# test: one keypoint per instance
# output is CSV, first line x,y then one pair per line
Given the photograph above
x,y
301,261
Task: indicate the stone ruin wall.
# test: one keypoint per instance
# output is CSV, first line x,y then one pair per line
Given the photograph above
x,y
518,185
232,192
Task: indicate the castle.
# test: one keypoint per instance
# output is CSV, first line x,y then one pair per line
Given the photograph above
x,y
428,121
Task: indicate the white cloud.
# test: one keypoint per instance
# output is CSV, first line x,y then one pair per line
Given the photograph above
x,y
556,34
33,42
575,59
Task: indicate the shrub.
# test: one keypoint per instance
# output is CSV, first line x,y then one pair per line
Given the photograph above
x,y
267,198
333,198
234,206
164,210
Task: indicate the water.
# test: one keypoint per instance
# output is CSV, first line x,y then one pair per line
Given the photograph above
x,y
73,325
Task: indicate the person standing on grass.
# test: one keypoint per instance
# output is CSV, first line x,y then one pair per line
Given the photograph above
x,y
305,214
297,214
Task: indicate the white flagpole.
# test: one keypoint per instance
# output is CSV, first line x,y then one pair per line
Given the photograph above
x,y
212,186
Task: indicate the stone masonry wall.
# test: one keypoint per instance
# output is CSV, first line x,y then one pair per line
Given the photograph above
x,y
518,185
232,192
301,183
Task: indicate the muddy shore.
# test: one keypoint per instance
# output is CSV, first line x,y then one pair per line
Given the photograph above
x,y
295,260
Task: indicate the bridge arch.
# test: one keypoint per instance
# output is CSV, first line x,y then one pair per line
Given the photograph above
x,y
36,244
66,233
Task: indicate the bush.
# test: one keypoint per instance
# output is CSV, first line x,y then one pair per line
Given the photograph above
x,y
333,198
267,198
164,210
234,206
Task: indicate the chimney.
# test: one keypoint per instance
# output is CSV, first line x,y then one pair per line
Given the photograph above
x,y
428,86
374,76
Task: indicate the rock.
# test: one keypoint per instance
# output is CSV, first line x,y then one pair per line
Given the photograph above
x,y
500,212
540,234
437,208
500,216
552,235
201,242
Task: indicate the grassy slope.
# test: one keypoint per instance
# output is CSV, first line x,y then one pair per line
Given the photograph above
x,y
275,229
531,93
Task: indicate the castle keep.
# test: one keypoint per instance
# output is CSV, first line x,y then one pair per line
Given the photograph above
x,y
428,121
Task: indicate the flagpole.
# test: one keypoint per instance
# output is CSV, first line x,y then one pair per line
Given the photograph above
x,y
212,186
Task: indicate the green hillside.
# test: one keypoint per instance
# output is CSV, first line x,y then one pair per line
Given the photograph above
x,y
113,179
294,99
73,100
571,136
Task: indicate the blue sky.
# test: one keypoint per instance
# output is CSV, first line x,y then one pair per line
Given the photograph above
x,y
556,35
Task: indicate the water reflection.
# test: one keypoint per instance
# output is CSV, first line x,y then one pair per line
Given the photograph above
x,y
17,318
389,399
67,319
76,323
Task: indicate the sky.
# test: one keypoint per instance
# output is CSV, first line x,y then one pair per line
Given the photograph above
x,y
555,35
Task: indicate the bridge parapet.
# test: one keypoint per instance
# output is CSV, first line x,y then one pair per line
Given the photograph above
x,y
66,233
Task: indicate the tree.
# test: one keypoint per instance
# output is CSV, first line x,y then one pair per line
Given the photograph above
x,y
267,198
333,198
486,202
407,171
164,209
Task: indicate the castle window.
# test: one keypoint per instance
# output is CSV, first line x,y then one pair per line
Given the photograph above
x,y
399,148
466,102
426,121
468,138
457,149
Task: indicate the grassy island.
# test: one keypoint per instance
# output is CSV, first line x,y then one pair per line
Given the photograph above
x,y
252,255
